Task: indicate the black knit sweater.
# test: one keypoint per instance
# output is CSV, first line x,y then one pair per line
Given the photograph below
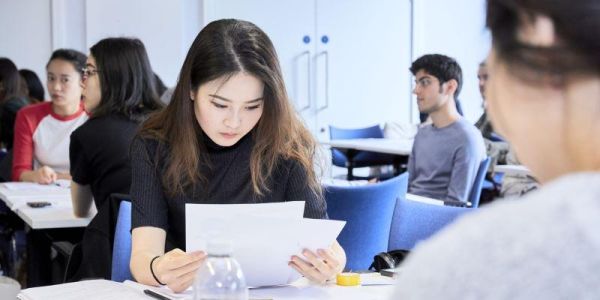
x,y
229,182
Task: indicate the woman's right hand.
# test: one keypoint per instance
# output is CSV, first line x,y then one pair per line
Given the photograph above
x,y
44,175
177,269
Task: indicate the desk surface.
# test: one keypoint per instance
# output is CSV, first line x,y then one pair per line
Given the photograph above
x,y
58,215
513,170
389,146
301,289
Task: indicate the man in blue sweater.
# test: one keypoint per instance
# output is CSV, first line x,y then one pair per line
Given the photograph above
x,y
446,153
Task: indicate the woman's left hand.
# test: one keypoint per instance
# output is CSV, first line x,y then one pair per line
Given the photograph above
x,y
318,267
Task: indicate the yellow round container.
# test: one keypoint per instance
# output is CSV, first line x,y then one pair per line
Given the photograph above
x,y
348,279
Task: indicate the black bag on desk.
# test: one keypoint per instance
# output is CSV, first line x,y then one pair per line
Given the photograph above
x,y
388,260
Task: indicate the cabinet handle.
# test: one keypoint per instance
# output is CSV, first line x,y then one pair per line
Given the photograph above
x,y
326,54
308,101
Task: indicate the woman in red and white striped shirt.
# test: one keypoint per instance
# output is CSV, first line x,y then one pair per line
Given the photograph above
x,y
42,131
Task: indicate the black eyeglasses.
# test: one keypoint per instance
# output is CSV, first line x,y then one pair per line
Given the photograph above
x,y
87,72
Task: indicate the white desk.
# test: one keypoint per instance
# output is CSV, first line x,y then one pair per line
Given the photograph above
x,y
513,170
58,215
399,148
301,289
333,292
388,146
422,199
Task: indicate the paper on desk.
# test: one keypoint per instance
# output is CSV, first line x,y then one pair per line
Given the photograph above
x,y
30,186
264,236
162,290
87,289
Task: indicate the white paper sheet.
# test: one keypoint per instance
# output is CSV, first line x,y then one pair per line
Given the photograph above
x,y
264,236
30,186
87,289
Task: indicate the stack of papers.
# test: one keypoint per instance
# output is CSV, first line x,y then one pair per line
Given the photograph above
x,y
264,236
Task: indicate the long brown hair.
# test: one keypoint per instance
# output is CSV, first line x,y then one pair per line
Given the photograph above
x,y
223,48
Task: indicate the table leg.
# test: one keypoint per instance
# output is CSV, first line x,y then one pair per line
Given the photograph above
x,y
38,258
350,154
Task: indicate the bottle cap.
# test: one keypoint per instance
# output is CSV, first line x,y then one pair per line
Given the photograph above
x,y
219,247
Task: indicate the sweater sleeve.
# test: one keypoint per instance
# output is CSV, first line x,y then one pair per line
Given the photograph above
x,y
464,170
297,189
23,146
149,206
78,160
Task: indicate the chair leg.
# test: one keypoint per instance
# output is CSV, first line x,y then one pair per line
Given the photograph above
x,y
350,176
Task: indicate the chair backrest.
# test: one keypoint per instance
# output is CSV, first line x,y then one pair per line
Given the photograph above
x,y
368,212
335,133
478,183
415,221
122,244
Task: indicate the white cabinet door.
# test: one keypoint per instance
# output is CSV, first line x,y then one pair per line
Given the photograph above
x,y
362,75
291,26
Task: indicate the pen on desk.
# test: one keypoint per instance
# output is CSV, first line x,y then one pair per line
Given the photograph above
x,y
155,295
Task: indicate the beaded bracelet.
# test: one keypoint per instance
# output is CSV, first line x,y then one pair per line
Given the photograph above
x,y
152,271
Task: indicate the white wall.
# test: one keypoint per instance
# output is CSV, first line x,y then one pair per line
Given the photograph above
x,y
31,29
25,33
457,29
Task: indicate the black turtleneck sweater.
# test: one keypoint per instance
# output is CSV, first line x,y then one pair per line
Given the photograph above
x,y
229,182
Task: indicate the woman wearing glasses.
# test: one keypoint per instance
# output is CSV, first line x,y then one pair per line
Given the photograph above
x,y
119,92
41,136
543,95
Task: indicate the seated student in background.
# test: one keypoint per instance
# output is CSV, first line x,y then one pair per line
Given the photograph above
x,y
543,95
13,97
34,87
484,124
41,143
500,151
119,92
229,135
446,154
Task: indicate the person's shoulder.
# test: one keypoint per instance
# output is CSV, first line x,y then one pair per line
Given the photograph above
x,y
15,102
43,108
34,113
504,242
110,121
143,143
467,131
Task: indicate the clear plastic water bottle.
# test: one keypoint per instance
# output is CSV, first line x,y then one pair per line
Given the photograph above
x,y
220,276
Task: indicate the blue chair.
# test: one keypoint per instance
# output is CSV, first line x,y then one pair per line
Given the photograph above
x,y
475,193
360,158
416,221
122,244
367,211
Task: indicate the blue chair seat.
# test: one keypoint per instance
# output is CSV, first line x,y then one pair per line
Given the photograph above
x,y
416,221
122,244
367,211
361,158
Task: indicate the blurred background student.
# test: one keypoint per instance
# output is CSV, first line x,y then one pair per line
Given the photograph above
x,y
13,97
33,84
42,131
